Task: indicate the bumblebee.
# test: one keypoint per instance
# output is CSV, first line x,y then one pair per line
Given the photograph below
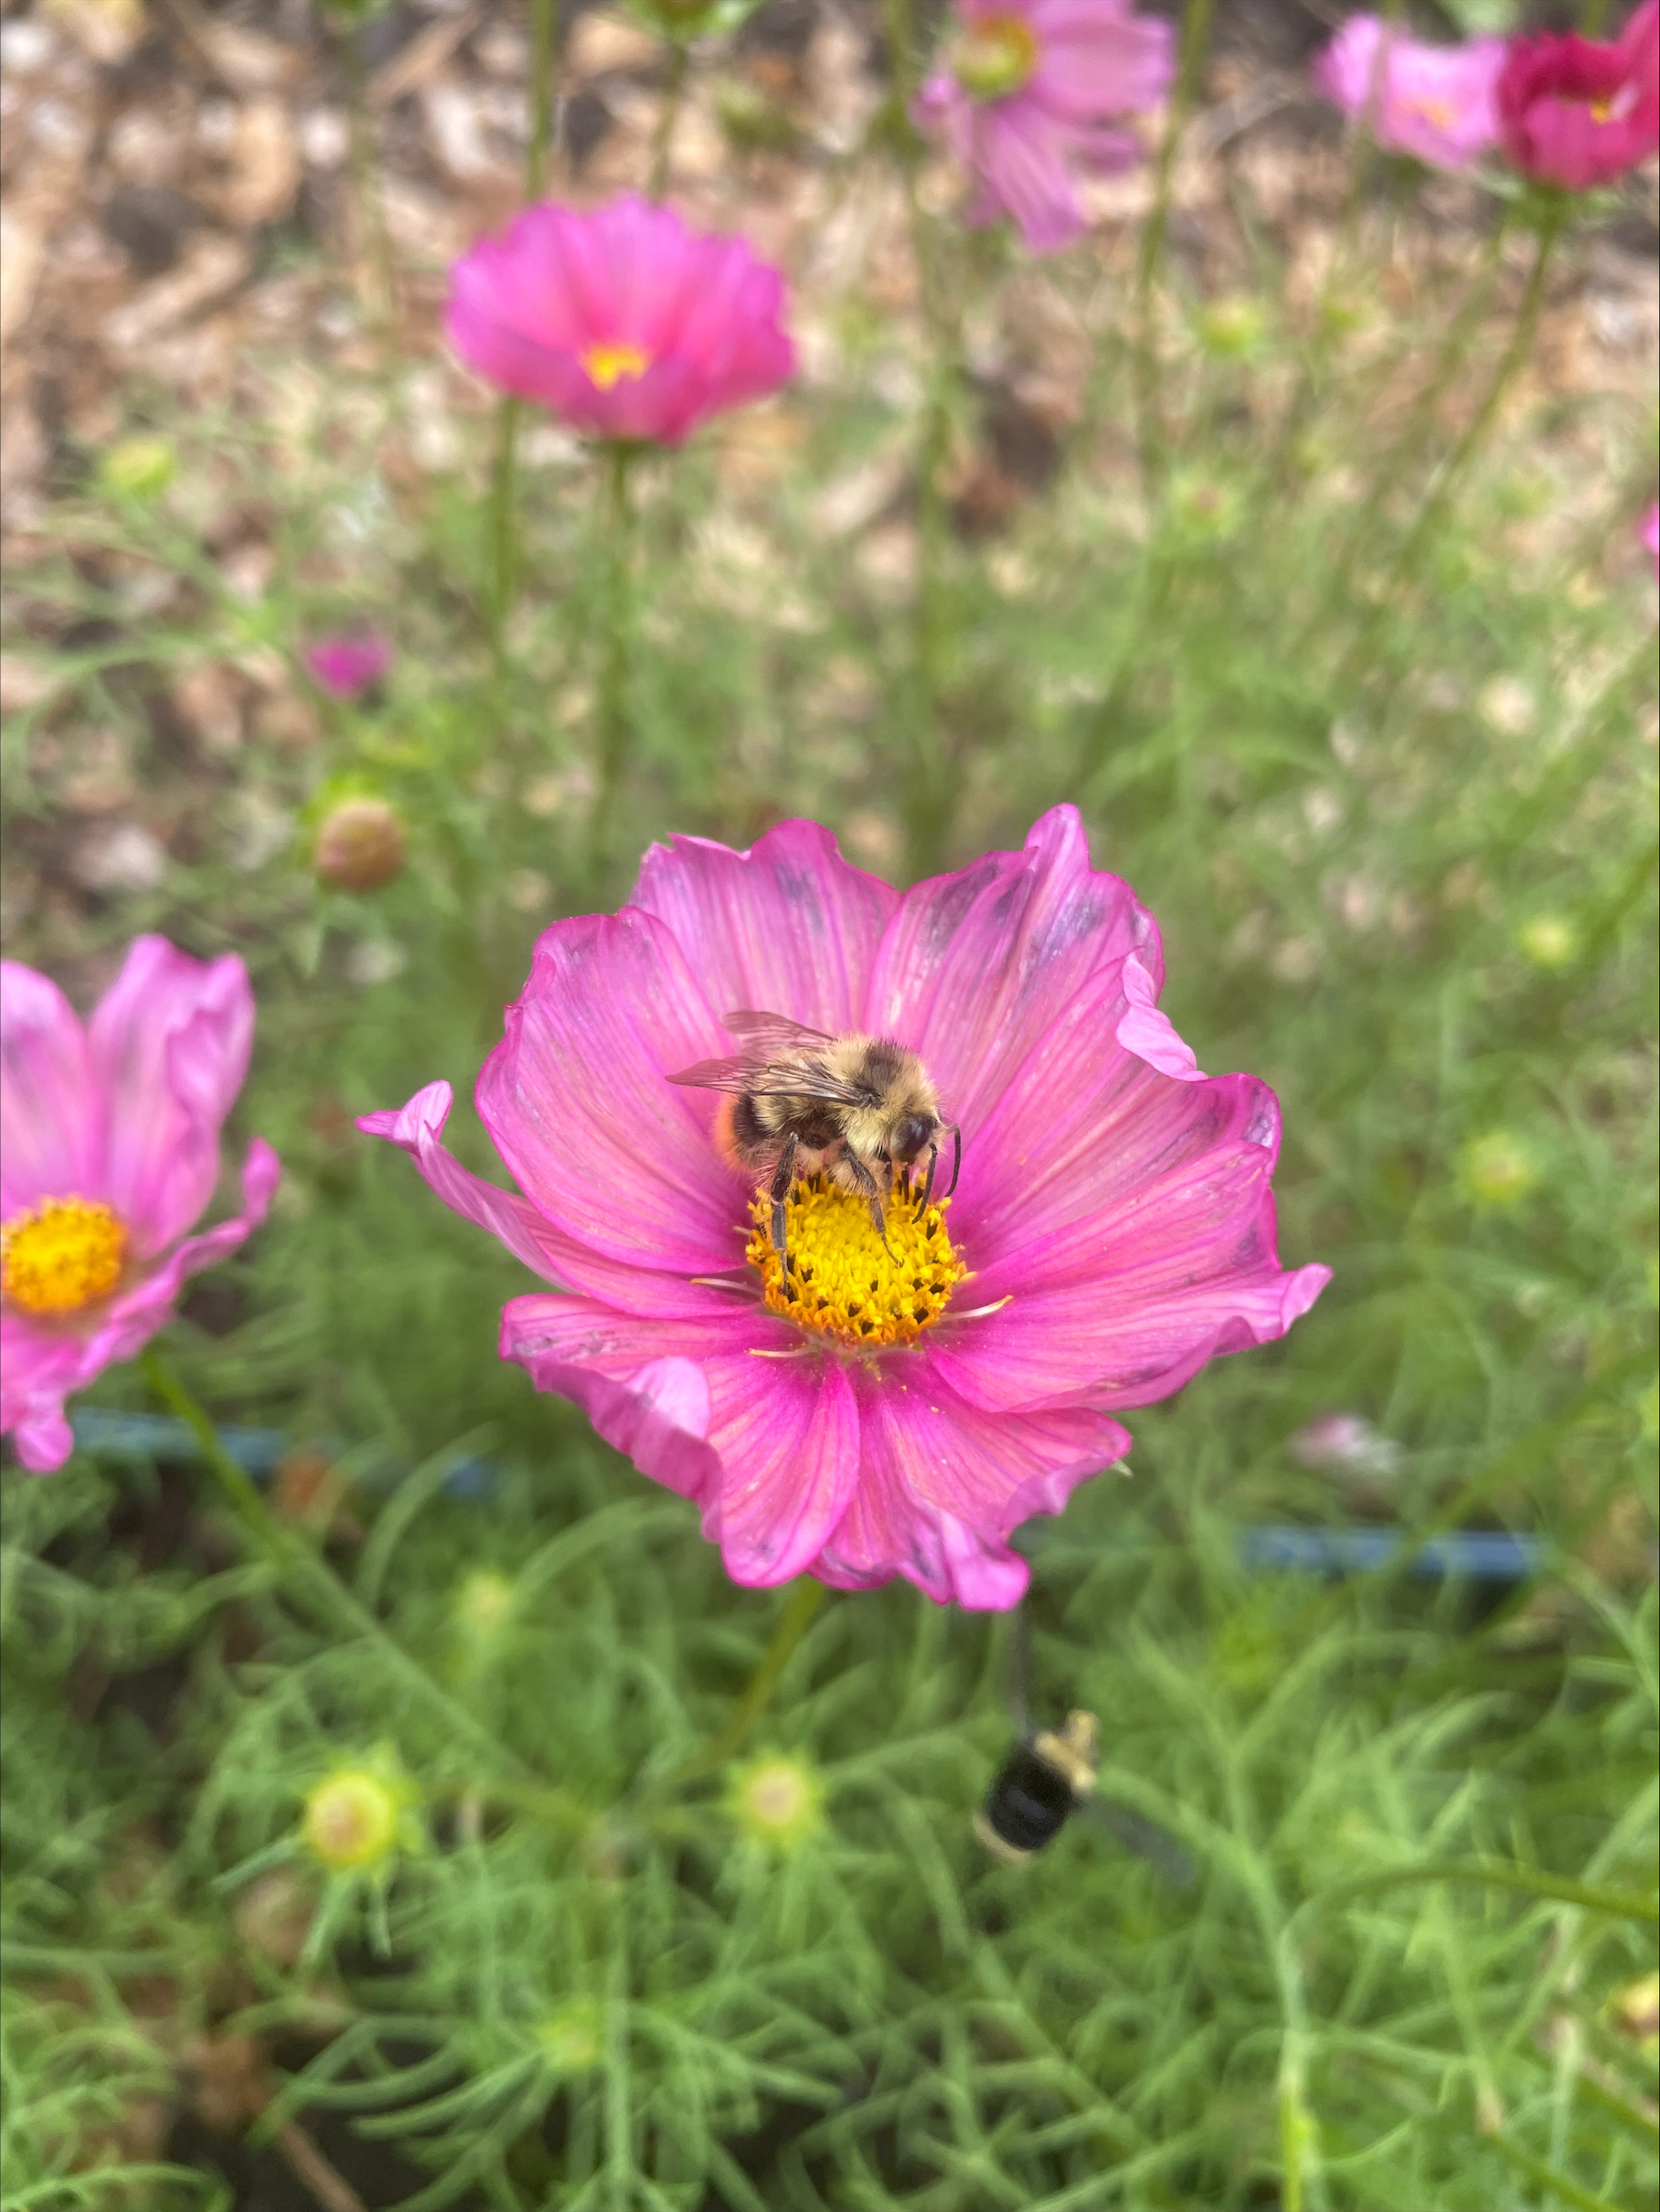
x,y
858,1108
1048,1776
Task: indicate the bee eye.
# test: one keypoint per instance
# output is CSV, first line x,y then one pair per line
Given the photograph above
x,y
910,1137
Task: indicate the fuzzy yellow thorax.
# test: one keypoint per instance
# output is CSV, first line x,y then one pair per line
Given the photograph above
x,y
840,1281
608,365
61,1255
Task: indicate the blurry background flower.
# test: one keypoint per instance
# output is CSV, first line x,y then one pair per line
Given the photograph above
x,y
1648,530
624,322
109,1153
1500,1169
1032,91
1434,102
1582,112
350,664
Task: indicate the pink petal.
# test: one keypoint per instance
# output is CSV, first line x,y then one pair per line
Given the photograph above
x,y
976,966
418,1128
169,1045
768,1447
789,927
1115,1347
1149,1033
38,1366
51,1128
944,1484
1086,1139
578,1101
1093,64
1020,167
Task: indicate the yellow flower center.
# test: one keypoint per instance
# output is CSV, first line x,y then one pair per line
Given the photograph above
x,y
995,57
841,1280
1439,114
61,1255
608,365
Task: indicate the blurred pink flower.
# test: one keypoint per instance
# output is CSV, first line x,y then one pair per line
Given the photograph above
x,y
1434,102
624,322
111,1139
1582,112
350,664
1029,93
1648,530
1113,1231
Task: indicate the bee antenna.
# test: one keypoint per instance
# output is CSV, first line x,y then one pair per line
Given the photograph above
x,y
956,1158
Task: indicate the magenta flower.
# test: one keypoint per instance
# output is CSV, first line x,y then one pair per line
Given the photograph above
x,y
1434,102
1031,90
111,1139
624,322
351,665
1582,112
870,1413
1648,530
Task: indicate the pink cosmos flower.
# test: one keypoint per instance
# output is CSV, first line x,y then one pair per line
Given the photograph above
x,y
1434,102
1582,112
110,1138
1030,93
869,1414
350,664
1649,532
624,322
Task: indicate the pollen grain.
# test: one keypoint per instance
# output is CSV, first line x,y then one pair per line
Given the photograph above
x,y
61,1255
841,1283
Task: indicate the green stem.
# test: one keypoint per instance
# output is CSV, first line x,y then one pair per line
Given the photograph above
x,y
504,554
800,1607
503,523
1195,45
297,1563
374,242
664,141
926,793
1467,446
544,34
616,523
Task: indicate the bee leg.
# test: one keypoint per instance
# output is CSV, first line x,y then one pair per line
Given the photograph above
x,y
873,1195
784,1175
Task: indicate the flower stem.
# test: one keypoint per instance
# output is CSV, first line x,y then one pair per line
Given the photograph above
x,y
298,1564
616,523
504,523
1475,435
926,795
373,240
504,476
1195,46
664,141
800,1607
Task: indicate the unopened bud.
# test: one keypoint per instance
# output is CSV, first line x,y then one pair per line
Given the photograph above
x,y
352,1820
778,1801
138,468
1500,1169
361,844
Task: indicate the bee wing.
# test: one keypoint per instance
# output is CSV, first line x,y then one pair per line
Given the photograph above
x,y
737,1074
770,1033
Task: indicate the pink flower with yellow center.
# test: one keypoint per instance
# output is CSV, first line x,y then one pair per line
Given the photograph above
x,y
109,1153
624,322
1032,91
1580,113
1434,102
897,1399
